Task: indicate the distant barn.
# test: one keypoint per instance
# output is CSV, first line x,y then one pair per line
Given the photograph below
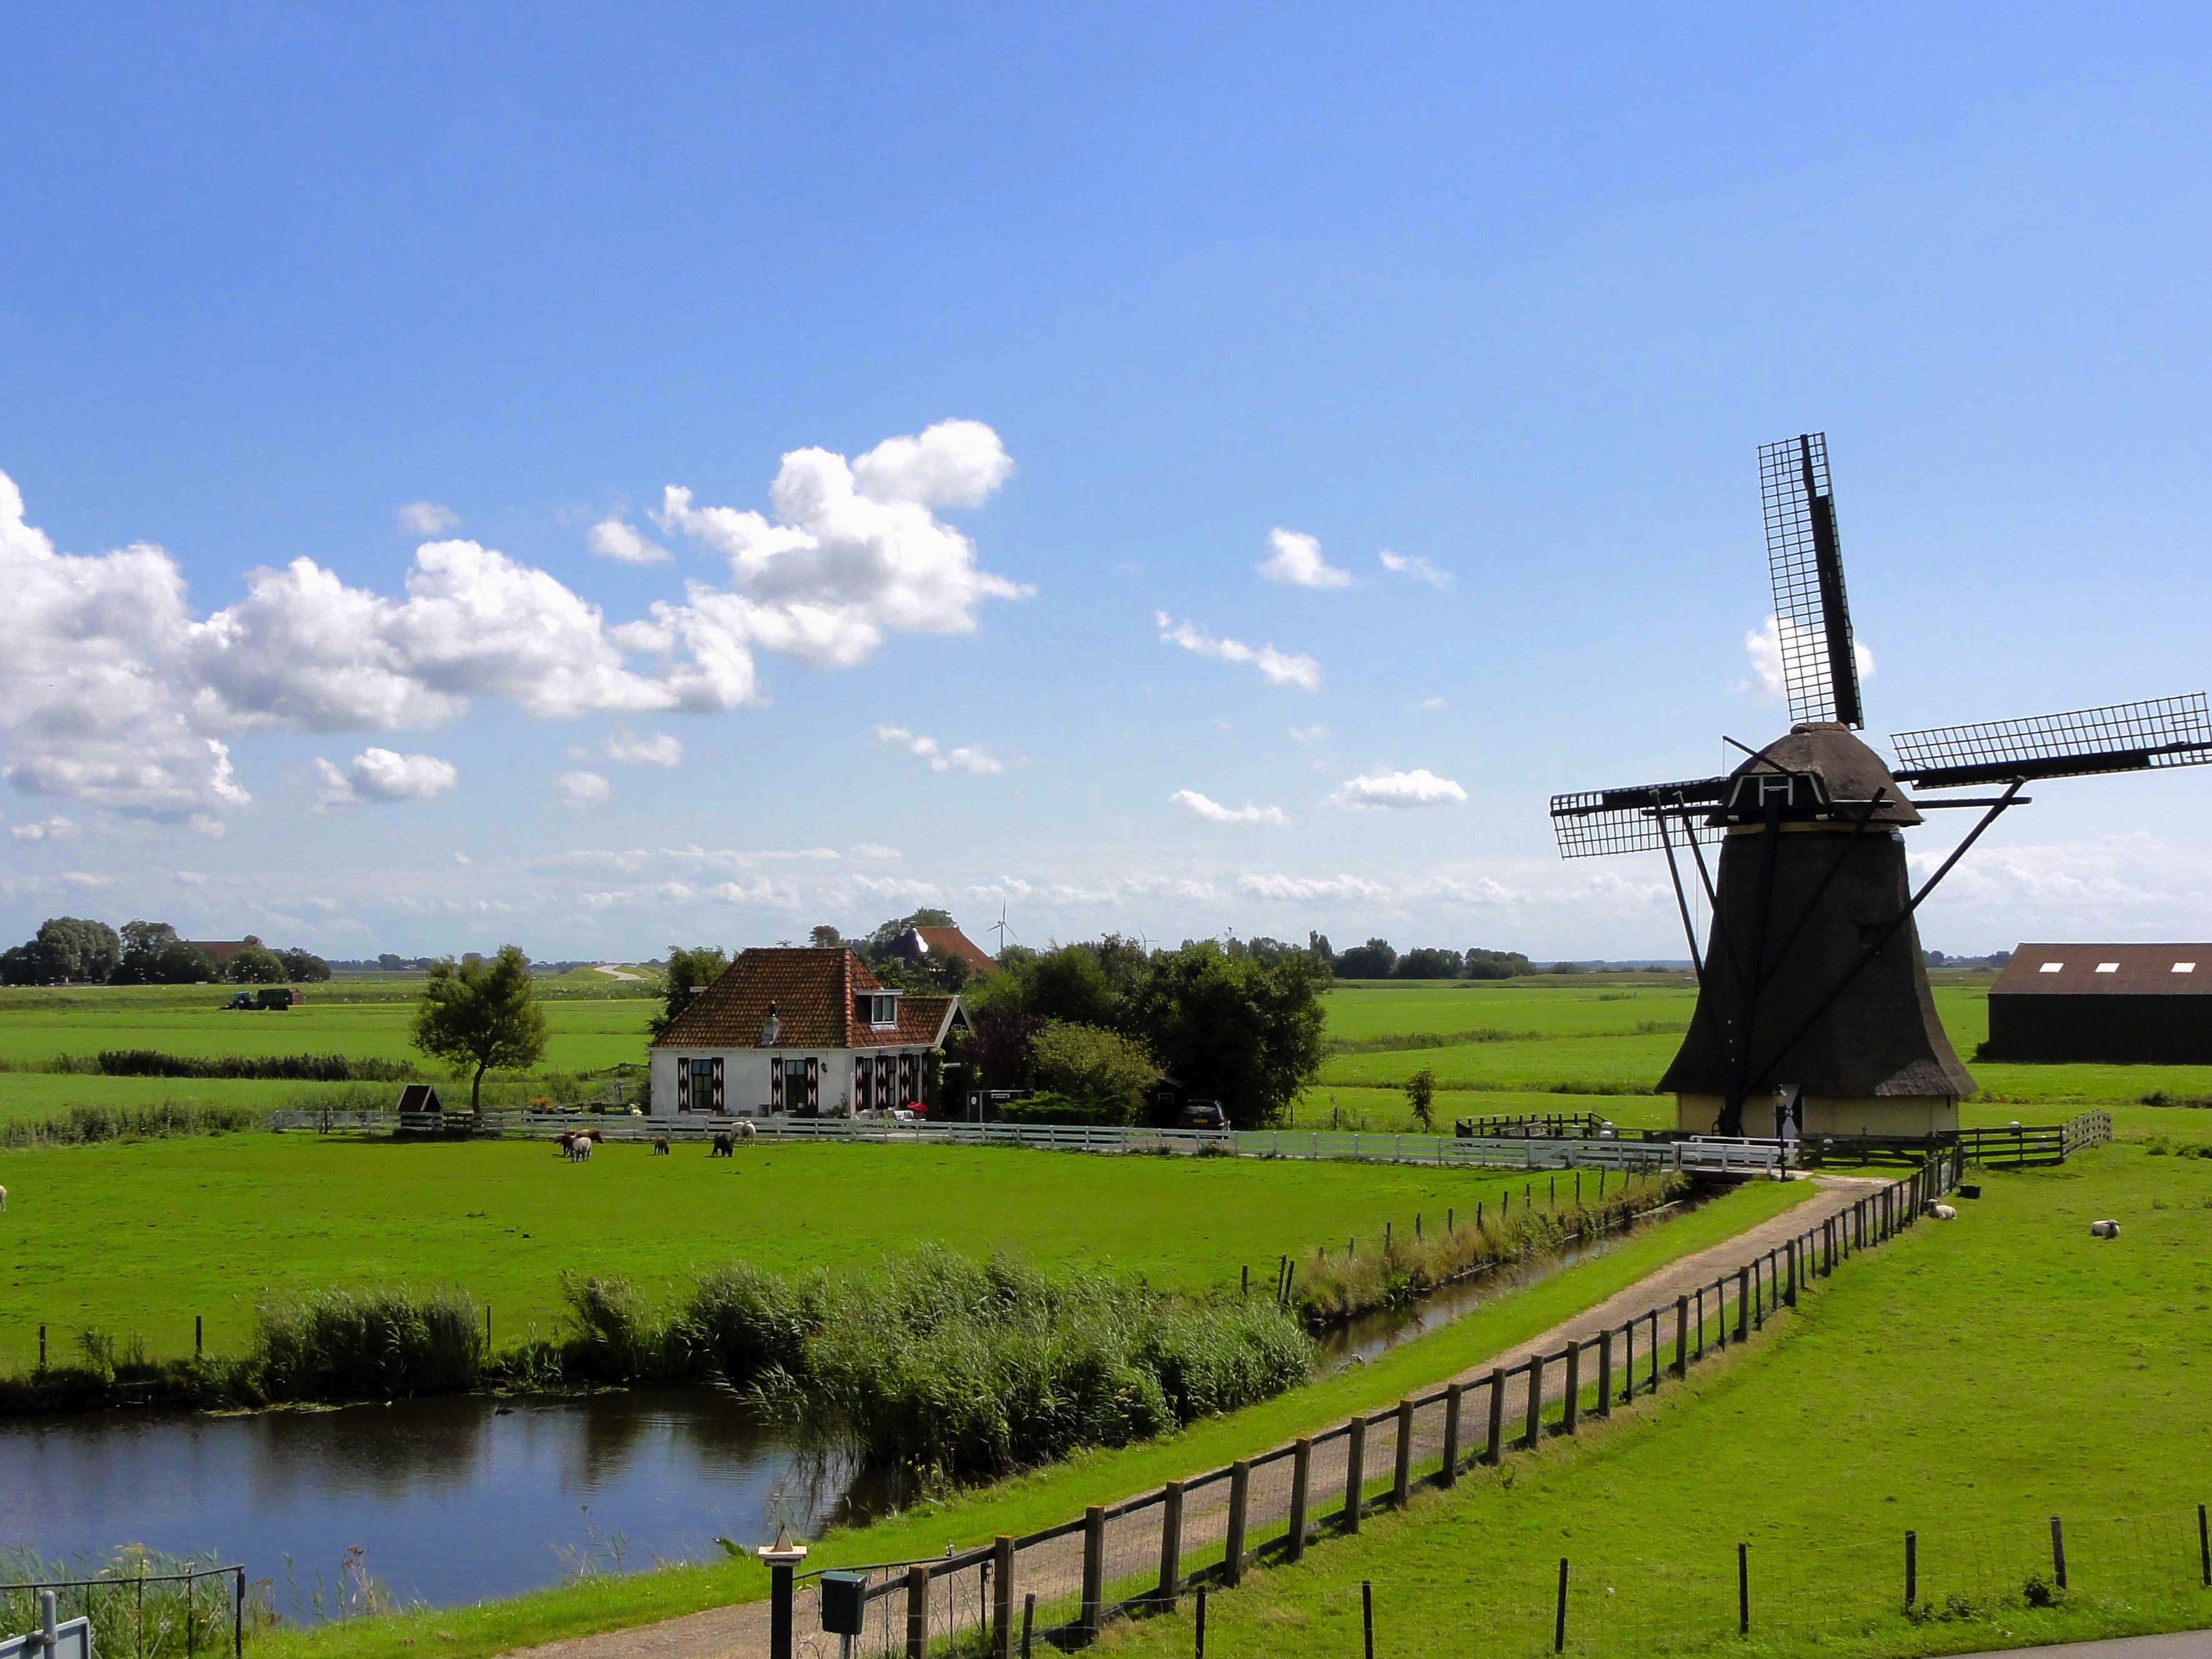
x,y
2118,1004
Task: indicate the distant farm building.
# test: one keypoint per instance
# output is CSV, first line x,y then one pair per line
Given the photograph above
x,y
2117,1004
920,944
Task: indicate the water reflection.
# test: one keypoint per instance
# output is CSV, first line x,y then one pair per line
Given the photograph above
x,y
453,1499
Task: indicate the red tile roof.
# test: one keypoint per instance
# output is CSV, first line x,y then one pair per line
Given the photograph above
x,y
2106,970
952,942
812,990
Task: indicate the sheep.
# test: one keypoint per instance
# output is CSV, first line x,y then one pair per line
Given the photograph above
x,y
744,1131
2103,1229
3,1201
725,1145
583,1153
660,1145
1942,1213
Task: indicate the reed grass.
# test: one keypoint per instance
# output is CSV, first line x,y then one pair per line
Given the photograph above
x,y
273,1068
133,1618
84,1125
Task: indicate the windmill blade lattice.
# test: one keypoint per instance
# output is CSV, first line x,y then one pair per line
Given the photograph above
x,y
1599,822
1812,615
2121,737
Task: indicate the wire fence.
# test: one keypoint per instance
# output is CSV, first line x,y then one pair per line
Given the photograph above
x,y
143,1615
1061,1585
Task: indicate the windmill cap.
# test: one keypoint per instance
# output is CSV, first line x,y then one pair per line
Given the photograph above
x,y
1852,771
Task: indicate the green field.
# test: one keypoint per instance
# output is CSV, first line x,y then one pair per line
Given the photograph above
x,y
1968,1382
142,1236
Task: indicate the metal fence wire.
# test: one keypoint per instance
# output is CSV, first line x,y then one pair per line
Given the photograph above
x,y
203,1611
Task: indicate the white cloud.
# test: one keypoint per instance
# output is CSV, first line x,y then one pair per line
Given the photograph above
x,y
655,749
582,789
1416,566
381,774
875,852
973,760
1297,561
1434,703
1202,806
428,518
1275,666
1309,734
1306,888
852,552
1419,788
611,539
1763,647
47,830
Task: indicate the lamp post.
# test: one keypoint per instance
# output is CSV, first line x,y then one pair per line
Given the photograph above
x,y
782,1558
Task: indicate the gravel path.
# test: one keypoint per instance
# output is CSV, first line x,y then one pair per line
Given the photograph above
x,y
741,1631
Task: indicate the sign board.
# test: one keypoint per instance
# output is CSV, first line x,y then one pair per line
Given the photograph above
x,y
72,1640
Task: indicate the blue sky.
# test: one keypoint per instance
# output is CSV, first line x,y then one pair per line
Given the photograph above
x,y
1515,294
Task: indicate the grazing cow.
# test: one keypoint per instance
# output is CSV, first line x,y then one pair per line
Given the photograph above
x,y
725,1145
660,1145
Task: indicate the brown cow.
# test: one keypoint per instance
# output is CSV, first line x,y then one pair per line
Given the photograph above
x,y
660,1145
725,1145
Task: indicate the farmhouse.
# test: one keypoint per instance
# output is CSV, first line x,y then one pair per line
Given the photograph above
x,y
808,1031
920,944
2119,1004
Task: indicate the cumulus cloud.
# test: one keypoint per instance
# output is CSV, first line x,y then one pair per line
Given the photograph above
x,y
1212,812
1297,561
611,539
1276,667
1765,648
971,760
45,829
1309,734
428,518
1419,788
581,789
382,774
1419,567
850,551
654,748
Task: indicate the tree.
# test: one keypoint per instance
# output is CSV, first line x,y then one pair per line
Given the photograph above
x,y
481,1015
1103,1070
257,964
1421,1095
1429,962
824,937
1373,960
1246,1032
304,967
73,948
1478,963
389,963
688,971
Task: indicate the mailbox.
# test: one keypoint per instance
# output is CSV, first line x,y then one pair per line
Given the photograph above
x,y
844,1602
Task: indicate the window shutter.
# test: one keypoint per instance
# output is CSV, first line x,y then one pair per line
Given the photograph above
x,y
860,1085
683,1085
718,1082
775,1086
813,1084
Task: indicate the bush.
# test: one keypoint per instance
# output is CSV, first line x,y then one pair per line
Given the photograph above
x,y
1055,1109
83,1126
1107,1073
280,1068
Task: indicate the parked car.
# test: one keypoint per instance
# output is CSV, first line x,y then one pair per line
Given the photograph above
x,y
268,997
1202,1115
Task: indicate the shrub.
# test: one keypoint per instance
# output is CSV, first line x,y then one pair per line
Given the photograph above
x,y
82,1126
1107,1073
283,1068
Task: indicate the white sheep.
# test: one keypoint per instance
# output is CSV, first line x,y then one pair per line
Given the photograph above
x,y
3,1201
2103,1229
1942,1213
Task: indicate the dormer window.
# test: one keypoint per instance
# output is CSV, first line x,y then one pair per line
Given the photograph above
x,y
877,1009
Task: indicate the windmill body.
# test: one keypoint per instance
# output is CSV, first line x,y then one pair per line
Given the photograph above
x,y
1814,1015
1804,885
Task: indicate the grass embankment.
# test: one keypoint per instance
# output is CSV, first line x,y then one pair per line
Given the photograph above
x,y
1031,1502
1967,1382
213,1226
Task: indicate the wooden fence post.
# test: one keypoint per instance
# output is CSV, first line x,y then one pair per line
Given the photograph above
x,y
1300,1470
1232,1552
1681,1336
917,1613
1002,1597
1402,1473
1170,1588
1094,1568
1789,1296
1495,1448
1743,1303
1572,1415
1605,1372
2058,1552
1912,1570
1535,1398
1355,1471
1448,1475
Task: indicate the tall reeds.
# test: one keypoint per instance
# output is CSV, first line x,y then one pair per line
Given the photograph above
x,y
81,1126
351,1344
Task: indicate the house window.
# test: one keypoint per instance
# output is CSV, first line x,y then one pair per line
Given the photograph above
x,y
878,1010
702,1087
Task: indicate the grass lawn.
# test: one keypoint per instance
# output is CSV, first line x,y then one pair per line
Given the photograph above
x,y
1032,1501
1968,1382
141,1237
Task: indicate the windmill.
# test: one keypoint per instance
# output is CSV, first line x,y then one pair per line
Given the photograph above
x,y
1812,991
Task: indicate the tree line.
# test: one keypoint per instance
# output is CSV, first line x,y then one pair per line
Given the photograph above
x,y
76,951
1378,959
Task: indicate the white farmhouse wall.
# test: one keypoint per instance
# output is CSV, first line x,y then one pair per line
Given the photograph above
x,y
746,1089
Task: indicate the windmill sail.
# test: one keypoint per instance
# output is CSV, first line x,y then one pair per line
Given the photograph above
x,y
1597,821
1812,617
2121,736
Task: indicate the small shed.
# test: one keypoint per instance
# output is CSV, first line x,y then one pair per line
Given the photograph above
x,y
420,1099
2139,1005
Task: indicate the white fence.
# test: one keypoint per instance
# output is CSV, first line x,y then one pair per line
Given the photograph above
x,y
1703,1154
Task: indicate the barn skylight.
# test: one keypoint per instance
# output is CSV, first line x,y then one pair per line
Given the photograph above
x,y
2184,967
2108,967
2052,967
